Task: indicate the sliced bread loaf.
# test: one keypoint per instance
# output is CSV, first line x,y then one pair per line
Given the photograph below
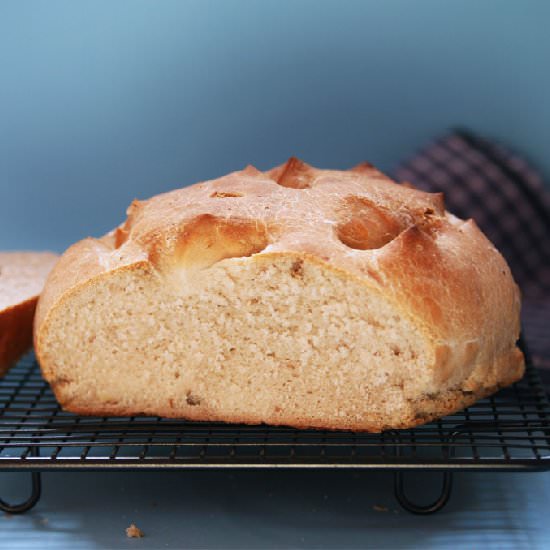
x,y
22,276
298,296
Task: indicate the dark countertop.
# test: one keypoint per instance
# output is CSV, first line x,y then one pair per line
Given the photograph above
x,y
275,509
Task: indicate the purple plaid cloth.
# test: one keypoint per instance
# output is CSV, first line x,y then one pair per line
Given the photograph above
x,y
507,199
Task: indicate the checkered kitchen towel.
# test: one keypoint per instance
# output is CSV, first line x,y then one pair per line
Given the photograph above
x,y
507,198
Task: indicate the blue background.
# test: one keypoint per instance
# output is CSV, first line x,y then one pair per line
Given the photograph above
x,y
104,101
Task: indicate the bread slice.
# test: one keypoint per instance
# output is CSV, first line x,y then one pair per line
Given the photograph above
x,y
300,297
22,276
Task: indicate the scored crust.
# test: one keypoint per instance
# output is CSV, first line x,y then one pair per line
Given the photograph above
x,y
439,274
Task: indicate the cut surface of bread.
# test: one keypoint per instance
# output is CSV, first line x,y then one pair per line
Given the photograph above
x,y
300,297
22,276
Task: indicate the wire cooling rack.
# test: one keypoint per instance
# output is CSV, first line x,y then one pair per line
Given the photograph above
x,y
508,431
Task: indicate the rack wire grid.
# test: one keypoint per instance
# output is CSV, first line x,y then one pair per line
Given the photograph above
x,y
507,431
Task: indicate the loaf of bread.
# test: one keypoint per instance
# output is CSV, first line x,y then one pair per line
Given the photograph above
x,y
298,296
22,276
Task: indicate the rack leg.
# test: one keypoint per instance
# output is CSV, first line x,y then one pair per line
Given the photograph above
x,y
36,491
435,506
27,504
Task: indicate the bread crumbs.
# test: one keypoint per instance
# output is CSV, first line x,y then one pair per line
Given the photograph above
x,y
134,532
377,508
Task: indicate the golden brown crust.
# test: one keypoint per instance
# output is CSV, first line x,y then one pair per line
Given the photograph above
x,y
438,271
22,275
15,332
245,210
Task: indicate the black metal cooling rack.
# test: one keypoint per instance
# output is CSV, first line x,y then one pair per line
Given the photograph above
x,y
508,431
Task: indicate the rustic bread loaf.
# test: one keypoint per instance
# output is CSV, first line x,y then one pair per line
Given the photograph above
x,y
302,297
22,276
